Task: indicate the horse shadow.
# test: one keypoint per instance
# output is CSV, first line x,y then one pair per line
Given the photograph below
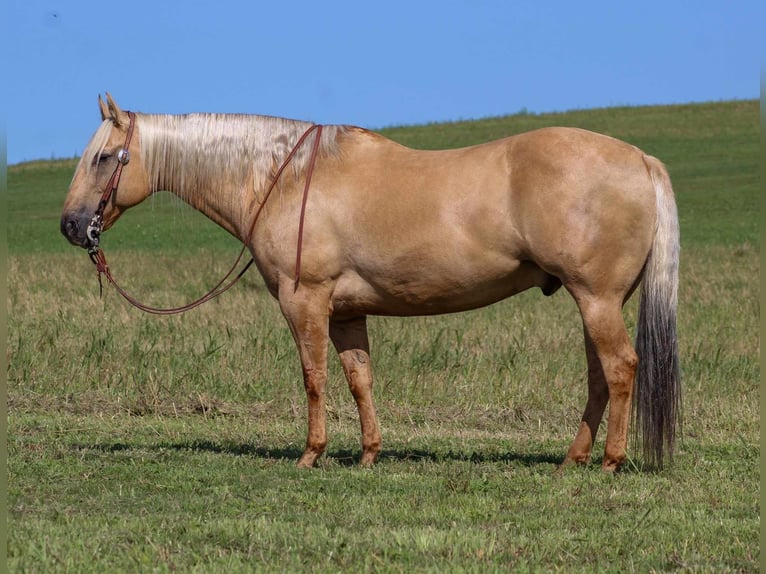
x,y
340,457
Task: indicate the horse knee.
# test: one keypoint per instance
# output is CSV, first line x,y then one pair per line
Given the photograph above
x,y
359,384
356,367
314,382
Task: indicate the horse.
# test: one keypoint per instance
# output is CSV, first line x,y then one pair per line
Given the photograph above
x,y
395,231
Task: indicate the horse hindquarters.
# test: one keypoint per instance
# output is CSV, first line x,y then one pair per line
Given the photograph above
x,y
612,362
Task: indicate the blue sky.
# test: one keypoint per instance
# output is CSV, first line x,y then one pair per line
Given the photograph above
x,y
373,64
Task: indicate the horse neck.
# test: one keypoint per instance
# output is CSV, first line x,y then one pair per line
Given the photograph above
x,y
218,164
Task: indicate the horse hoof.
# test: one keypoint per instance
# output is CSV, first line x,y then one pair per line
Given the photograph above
x,y
308,460
611,466
367,463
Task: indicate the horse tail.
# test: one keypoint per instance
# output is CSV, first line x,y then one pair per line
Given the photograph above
x,y
657,397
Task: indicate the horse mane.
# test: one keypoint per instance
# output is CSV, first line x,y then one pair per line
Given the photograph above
x,y
204,154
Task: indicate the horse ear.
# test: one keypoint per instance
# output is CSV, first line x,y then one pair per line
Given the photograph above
x,y
102,107
115,113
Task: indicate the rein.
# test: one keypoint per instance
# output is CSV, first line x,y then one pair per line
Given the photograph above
x,y
96,226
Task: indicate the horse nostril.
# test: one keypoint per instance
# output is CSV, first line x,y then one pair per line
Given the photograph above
x,y
69,227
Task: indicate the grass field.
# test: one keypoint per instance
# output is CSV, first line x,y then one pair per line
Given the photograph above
x,y
139,443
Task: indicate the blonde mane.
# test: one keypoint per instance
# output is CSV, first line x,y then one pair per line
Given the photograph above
x,y
227,158
209,150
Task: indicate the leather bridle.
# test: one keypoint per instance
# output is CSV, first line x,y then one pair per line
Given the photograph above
x,y
123,157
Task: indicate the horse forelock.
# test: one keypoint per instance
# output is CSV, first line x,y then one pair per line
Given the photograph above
x,y
95,147
221,155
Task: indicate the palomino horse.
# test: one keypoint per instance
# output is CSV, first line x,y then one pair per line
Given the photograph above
x,y
395,231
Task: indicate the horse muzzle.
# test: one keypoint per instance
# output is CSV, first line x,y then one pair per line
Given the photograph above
x,y
79,230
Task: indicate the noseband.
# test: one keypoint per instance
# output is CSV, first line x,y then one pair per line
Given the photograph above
x,y
95,227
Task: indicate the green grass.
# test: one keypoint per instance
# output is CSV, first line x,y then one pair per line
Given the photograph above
x,y
202,494
139,443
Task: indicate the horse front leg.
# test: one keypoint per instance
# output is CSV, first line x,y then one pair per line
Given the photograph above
x,y
351,342
307,314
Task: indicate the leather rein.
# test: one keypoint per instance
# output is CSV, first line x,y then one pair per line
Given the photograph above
x,y
96,226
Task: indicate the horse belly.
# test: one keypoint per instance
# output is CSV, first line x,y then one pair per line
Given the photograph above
x,y
428,291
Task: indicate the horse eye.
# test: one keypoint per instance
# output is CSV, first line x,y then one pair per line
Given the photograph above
x,y
102,157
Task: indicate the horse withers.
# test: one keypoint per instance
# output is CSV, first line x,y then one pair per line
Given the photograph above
x,y
390,230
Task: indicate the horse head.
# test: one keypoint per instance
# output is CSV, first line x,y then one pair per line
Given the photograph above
x,y
110,161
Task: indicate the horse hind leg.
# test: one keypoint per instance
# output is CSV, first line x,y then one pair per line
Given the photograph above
x,y
612,363
598,395
352,344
